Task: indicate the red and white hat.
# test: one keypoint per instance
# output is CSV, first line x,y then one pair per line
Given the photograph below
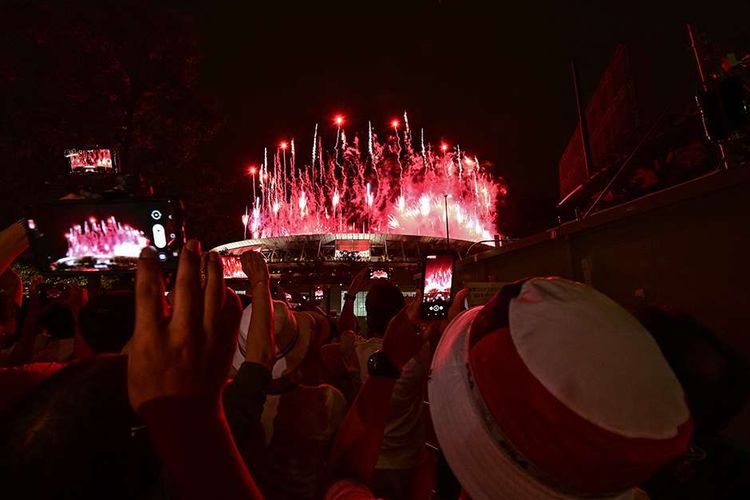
x,y
552,390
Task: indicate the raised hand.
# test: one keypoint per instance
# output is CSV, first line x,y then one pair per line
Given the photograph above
x,y
359,282
187,353
405,335
436,328
260,347
255,267
458,303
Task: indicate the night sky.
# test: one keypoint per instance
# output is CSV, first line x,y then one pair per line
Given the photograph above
x,y
490,76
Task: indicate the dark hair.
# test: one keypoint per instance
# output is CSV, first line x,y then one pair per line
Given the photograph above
x,y
713,376
107,321
383,301
245,299
73,437
59,322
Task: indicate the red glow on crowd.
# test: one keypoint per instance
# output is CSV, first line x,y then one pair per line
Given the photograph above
x,y
376,187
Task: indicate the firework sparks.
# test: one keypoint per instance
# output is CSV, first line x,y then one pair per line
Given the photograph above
x,y
104,238
386,189
438,282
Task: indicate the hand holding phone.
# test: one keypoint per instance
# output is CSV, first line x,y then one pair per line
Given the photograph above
x,y
232,267
255,267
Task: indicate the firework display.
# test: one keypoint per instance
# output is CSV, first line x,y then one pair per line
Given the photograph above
x,y
232,267
437,285
379,274
97,243
379,186
90,160
438,278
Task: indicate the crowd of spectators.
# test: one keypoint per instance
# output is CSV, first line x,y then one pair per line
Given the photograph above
x,y
550,390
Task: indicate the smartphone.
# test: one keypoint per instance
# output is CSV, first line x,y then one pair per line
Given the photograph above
x,y
379,274
91,160
437,285
85,236
232,267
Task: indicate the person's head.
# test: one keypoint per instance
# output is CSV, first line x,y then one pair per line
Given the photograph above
x,y
559,392
715,377
295,336
76,431
107,321
383,301
59,322
11,296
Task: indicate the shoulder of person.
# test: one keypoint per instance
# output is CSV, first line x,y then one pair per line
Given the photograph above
x,y
345,489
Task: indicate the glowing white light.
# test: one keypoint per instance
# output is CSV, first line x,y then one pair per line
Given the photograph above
x,y
424,205
108,238
302,203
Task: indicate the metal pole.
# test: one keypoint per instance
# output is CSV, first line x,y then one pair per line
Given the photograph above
x,y
447,229
624,165
582,123
245,219
698,62
704,86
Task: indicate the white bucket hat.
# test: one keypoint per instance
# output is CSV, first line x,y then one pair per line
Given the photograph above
x,y
552,390
293,331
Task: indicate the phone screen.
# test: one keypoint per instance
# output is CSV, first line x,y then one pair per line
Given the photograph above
x,y
232,267
378,274
437,285
86,236
91,160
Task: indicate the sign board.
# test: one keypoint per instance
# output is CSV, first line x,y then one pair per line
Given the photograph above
x,y
480,291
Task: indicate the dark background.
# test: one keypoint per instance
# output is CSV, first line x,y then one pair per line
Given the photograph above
x,y
192,93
